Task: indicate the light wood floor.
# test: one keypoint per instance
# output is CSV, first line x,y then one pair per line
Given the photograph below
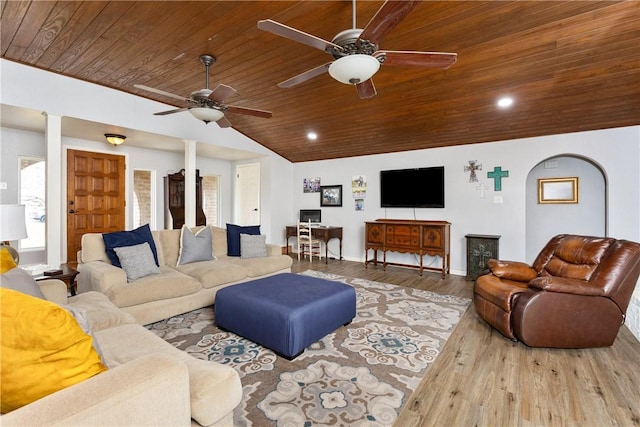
x,y
482,379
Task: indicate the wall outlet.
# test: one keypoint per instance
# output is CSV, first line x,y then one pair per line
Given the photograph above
x,y
497,199
3,185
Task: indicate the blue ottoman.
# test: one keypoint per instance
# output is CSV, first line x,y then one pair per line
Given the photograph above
x,y
286,312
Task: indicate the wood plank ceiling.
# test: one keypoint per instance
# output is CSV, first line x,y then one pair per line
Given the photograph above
x,y
569,65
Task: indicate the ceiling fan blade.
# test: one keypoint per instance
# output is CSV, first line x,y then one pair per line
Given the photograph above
x,y
224,122
366,89
296,35
417,59
386,18
249,111
221,92
164,113
161,92
303,77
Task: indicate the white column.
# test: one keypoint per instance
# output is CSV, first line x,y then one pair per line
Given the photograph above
x,y
55,205
189,182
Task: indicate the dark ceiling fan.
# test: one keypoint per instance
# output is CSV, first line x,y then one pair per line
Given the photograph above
x,y
356,53
206,104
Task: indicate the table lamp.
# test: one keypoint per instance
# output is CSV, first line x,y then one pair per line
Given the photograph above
x,y
12,227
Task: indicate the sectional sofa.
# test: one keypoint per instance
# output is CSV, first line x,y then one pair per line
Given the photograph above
x,y
147,380
178,287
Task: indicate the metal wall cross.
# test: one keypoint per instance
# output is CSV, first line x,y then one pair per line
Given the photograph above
x,y
473,167
497,174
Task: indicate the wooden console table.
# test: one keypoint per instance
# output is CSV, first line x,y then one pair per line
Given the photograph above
x,y
322,232
408,236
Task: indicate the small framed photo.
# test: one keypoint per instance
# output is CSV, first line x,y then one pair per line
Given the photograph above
x,y
558,190
331,195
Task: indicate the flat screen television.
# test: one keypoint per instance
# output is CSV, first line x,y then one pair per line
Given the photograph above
x,y
412,188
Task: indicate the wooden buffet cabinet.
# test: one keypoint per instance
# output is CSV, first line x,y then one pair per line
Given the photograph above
x,y
408,236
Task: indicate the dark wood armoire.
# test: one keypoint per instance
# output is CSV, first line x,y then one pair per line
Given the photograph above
x,y
174,200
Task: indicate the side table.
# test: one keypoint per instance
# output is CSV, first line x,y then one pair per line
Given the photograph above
x,y
480,248
68,276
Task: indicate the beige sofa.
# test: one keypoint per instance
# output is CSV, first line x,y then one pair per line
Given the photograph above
x,y
177,289
149,382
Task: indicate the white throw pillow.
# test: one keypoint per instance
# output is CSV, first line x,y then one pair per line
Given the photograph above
x,y
137,261
195,247
252,246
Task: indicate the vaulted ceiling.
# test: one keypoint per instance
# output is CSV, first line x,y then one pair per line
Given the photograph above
x,y
569,65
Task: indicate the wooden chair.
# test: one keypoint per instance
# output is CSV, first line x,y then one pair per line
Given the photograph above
x,y
307,244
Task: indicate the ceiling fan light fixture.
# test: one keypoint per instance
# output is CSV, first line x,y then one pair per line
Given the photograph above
x,y
206,114
115,139
354,69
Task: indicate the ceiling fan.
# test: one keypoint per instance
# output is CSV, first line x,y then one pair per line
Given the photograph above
x,y
355,50
206,104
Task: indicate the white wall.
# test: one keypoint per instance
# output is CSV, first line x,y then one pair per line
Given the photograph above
x,y
616,151
587,217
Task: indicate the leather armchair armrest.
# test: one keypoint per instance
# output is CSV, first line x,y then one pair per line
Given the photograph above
x,y
512,270
566,286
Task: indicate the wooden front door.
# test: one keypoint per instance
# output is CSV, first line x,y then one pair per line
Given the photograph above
x,y
95,196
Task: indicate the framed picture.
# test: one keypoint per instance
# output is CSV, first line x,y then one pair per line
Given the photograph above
x,y
331,195
558,190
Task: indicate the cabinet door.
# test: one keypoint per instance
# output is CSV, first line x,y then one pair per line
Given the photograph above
x,y
375,234
432,237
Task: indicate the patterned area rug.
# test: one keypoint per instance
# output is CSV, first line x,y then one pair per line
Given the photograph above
x,y
360,374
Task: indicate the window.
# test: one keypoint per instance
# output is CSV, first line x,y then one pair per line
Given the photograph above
x,y
143,198
210,192
32,195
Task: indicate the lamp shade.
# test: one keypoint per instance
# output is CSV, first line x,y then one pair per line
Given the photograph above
x,y
206,114
12,222
354,69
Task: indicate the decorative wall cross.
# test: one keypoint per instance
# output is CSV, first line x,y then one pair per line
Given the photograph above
x,y
473,167
497,174
481,187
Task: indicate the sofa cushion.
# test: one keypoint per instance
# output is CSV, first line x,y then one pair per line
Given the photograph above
x,y
169,283
213,273
253,246
43,350
215,389
233,237
101,312
256,267
21,281
219,241
195,247
6,261
128,238
137,261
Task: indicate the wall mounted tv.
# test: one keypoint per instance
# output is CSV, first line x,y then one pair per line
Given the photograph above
x,y
412,188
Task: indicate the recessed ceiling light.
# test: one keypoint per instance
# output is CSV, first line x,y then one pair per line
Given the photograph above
x,y
505,102
312,136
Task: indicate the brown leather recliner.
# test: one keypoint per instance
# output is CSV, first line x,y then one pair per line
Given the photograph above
x,y
575,295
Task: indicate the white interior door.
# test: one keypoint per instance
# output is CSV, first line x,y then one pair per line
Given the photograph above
x,y
248,194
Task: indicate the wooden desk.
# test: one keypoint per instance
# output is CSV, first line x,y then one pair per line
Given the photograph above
x,y
323,232
68,276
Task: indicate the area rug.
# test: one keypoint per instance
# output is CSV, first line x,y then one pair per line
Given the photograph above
x,y
359,375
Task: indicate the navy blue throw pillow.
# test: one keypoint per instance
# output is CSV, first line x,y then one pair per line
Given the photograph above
x,y
119,239
233,237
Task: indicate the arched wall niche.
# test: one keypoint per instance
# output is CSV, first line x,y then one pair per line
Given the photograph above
x,y
587,217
